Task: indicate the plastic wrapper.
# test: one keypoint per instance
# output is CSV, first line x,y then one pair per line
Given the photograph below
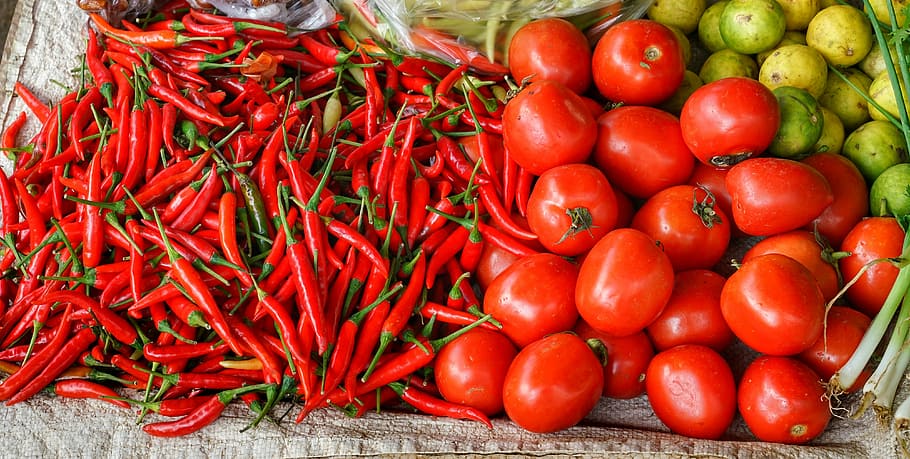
x,y
475,32
297,14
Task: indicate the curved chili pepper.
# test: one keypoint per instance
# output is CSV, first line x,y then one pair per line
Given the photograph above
x,y
203,415
67,355
114,323
83,388
172,96
500,216
367,340
155,39
426,403
38,107
34,365
445,252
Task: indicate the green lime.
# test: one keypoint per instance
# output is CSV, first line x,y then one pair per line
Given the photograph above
x,y
727,63
709,27
691,81
842,97
890,192
795,65
832,139
842,33
801,123
874,147
752,26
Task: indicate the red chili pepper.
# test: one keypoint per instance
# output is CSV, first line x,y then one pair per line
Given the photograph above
x,y
426,403
367,340
67,355
194,212
285,324
34,365
500,216
82,115
93,247
113,323
38,107
203,415
155,39
83,388
169,353
172,96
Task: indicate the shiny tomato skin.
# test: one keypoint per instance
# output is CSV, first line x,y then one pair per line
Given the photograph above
x,y
627,360
692,390
717,128
638,62
693,315
493,261
691,239
851,196
802,246
571,207
774,305
547,125
871,239
782,400
471,369
624,282
844,328
641,150
773,195
533,297
553,383
551,49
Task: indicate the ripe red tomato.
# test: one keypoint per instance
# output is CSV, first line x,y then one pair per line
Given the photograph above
x,y
493,261
801,246
774,195
714,179
551,49
692,390
851,196
533,297
782,400
547,125
871,239
638,62
773,305
641,150
624,282
717,127
571,207
553,383
471,369
683,219
627,360
844,328
693,315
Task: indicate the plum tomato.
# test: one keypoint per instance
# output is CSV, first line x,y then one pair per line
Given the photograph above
x,y
472,368
627,360
571,207
844,328
684,220
773,195
624,282
851,196
782,400
533,297
551,49
693,315
547,125
553,383
493,261
720,130
638,62
774,305
871,239
641,150
692,390
802,246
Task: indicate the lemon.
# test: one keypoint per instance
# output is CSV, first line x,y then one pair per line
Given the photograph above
x,y
842,33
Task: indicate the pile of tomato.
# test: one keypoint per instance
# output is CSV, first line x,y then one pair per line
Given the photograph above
x,y
639,213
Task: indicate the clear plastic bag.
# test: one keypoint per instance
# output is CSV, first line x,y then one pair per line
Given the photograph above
x,y
115,10
475,32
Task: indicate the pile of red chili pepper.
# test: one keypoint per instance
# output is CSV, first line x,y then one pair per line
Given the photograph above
x,y
225,210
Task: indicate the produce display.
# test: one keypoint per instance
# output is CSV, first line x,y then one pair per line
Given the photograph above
x,y
228,211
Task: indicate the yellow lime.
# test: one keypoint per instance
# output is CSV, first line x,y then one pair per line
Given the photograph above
x,y
683,14
752,26
795,65
841,98
791,37
882,92
874,62
727,63
889,194
842,33
832,139
882,13
691,81
799,12
709,27
874,147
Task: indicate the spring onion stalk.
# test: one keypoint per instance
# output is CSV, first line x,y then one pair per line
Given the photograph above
x,y
881,387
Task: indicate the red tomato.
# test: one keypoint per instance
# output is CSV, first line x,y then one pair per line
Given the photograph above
x,y
714,180
782,400
641,150
801,246
547,125
693,315
553,383
718,128
551,49
683,219
774,195
627,360
871,239
624,282
692,390
472,369
851,196
493,261
571,207
773,305
844,328
533,297
638,62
